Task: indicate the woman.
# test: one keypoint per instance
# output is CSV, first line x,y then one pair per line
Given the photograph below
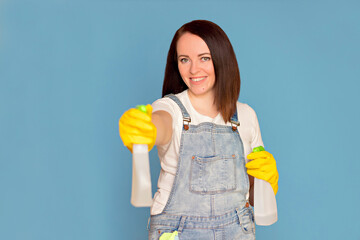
x,y
203,135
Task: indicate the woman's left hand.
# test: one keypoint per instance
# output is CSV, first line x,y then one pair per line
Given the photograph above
x,y
263,166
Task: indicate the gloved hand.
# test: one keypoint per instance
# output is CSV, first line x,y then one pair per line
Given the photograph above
x,y
135,127
263,166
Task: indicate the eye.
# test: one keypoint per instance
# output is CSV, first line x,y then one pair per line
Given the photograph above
x,y
184,60
204,59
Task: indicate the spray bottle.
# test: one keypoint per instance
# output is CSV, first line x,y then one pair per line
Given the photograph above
x,y
264,200
141,194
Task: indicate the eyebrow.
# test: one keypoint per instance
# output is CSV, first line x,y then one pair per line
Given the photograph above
x,y
198,55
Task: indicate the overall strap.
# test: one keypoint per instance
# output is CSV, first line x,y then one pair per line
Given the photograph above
x,y
185,114
234,121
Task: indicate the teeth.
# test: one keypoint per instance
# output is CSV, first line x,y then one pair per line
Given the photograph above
x,y
197,79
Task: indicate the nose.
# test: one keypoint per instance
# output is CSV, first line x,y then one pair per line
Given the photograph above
x,y
194,68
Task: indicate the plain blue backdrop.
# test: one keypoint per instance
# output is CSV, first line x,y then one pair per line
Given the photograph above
x,y
69,69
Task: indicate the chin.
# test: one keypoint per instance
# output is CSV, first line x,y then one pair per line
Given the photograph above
x,y
198,92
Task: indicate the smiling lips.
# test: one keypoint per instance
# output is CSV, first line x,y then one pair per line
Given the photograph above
x,y
197,80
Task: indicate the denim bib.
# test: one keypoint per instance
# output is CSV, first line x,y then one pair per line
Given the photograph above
x,y
208,196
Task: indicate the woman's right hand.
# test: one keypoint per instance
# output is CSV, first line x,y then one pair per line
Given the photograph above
x,y
135,127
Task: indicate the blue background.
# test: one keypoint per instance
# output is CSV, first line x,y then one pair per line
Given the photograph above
x,y
69,69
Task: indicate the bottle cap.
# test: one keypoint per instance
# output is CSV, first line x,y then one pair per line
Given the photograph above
x,y
141,108
259,149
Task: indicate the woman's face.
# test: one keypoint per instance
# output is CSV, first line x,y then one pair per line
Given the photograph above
x,y
195,64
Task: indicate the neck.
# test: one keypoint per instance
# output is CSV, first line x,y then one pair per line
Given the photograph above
x,y
204,104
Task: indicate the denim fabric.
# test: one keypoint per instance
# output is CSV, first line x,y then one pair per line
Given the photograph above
x,y
208,196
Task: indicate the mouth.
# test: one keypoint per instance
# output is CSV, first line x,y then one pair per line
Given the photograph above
x,y
197,80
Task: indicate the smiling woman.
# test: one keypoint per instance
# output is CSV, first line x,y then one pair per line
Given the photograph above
x,y
204,37
204,190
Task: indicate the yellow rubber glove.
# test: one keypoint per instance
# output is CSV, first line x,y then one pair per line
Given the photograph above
x,y
169,236
135,127
263,166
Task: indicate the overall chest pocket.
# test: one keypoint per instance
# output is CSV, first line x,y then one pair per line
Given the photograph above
x,y
210,175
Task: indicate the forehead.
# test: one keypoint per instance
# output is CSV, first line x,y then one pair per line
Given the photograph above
x,y
191,44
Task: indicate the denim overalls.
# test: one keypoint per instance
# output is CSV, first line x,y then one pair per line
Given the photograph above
x,y
208,196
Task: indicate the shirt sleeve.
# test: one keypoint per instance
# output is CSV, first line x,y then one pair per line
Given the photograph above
x,y
167,105
164,104
256,138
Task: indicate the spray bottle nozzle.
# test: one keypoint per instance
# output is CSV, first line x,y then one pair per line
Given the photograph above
x,y
259,149
141,108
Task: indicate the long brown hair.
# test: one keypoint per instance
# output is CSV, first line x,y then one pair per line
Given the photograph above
x,y
227,75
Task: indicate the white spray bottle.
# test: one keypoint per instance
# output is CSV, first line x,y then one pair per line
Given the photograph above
x,y
264,200
141,194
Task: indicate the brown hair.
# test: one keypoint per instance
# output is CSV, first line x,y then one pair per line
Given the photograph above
x,y
227,75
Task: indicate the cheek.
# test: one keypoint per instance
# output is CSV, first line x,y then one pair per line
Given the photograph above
x,y
210,69
182,71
